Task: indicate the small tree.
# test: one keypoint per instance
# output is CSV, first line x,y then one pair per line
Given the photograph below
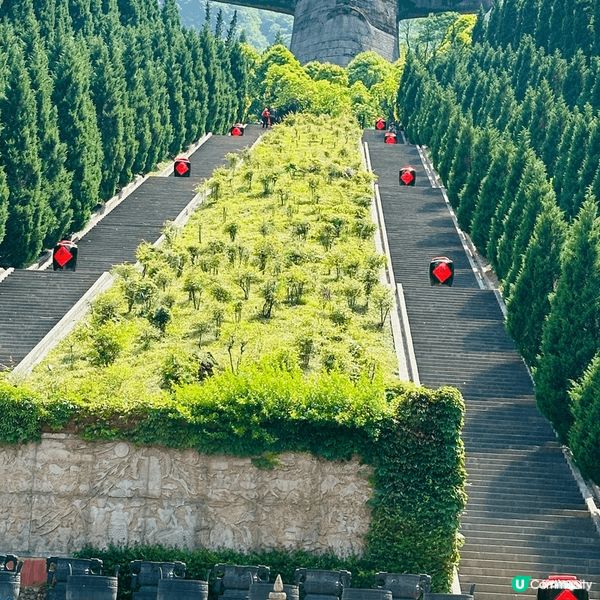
x,y
382,300
193,286
232,229
200,329
244,280
160,317
269,294
106,346
351,292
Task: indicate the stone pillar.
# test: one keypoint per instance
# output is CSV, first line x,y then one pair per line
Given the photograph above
x,y
337,30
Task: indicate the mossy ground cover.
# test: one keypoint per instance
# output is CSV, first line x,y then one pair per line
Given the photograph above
x,y
261,328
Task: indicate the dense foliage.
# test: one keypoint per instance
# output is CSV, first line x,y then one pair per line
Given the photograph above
x,y
92,93
515,134
366,88
278,265
569,26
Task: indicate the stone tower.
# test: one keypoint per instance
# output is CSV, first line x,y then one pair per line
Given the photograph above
x,y
337,30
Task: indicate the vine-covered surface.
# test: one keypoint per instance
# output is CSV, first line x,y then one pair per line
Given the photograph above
x,y
328,390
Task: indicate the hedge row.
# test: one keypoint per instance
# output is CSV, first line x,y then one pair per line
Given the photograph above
x,y
410,435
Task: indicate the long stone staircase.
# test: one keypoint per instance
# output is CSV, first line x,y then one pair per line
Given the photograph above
x,y
33,302
525,514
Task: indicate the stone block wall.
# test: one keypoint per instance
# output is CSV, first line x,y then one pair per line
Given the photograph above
x,y
63,493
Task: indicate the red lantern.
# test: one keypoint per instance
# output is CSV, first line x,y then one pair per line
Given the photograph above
x,y
380,124
441,271
64,256
407,176
182,168
237,130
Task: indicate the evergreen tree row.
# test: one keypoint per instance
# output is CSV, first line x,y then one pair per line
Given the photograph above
x,y
570,26
527,90
93,92
546,252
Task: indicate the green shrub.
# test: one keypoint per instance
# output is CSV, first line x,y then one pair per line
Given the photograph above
x,y
22,414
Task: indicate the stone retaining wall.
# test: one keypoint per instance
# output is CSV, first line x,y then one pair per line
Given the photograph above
x,y
63,493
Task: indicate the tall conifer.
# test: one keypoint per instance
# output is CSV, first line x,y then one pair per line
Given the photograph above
x,y
572,330
19,149
528,302
78,126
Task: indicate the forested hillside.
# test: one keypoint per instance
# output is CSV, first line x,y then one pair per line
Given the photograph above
x,y
93,93
513,127
260,28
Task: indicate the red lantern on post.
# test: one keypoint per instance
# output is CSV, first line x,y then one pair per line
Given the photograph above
x,y
380,124
183,167
390,137
64,256
237,130
407,176
441,271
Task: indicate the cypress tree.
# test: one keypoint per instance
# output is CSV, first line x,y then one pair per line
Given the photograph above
x,y
596,28
506,29
174,56
442,124
558,116
544,101
523,156
528,303
19,149
213,81
584,437
448,145
576,79
198,109
78,127
492,189
537,197
591,161
527,67
571,332
239,71
56,180
558,16
485,142
556,72
108,96
461,165
542,25
532,183
527,15
4,194
564,149
567,178
141,108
